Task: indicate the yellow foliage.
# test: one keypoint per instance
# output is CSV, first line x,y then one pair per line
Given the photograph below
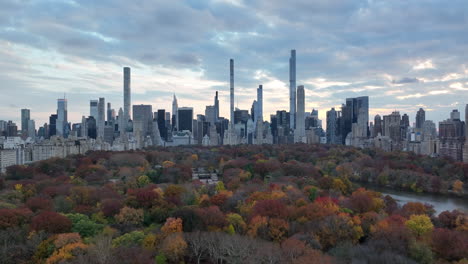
x,y
419,224
66,253
18,187
168,164
458,186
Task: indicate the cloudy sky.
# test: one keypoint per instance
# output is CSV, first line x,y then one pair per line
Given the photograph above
x,y
402,54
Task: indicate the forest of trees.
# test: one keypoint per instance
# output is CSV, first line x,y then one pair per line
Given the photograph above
x,y
273,204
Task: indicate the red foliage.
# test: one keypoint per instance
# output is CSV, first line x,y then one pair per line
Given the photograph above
x,y
212,217
111,207
51,222
450,244
146,197
448,219
270,208
14,217
218,199
39,203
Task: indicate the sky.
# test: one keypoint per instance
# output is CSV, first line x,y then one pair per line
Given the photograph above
x,y
402,54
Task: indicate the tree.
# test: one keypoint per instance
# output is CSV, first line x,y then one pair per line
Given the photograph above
x,y
84,226
458,187
174,247
270,208
39,203
51,222
130,216
450,244
134,238
14,217
172,225
419,225
111,207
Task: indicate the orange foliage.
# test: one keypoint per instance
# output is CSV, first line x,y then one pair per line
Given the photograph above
x,y
172,225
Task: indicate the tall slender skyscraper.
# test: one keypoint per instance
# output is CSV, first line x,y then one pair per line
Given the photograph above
x,y
62,118
175,114
300,119
127,93
216,107
259,109
101,120
292,89
231,64
25,117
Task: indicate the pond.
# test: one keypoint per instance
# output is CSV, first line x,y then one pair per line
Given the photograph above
x,y
440,202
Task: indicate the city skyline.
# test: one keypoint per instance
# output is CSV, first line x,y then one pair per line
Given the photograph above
x,y
399,65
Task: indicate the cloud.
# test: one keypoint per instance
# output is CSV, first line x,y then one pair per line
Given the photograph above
x,y
406,80
383,49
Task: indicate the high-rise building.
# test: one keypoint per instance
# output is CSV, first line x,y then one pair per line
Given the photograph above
x,y
333,132
91,127
144,114
465,146
93,108
127,93
231,70
299,132
31,129
110,113
210,114
52,125
259,109
175,114
101,121
161,117
122,123
356,110
216,106
25,117
62,118
452,136
377,126
420,118
185,117
292,89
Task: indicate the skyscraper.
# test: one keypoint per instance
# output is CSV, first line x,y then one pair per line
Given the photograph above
x,y
25,117
62,118
161,117
377,126
143,114
292,89
109,112
185,116
231,67
420,118
52,126
93,108
216,107
333,131
175,114
127,93
356,110
300,119
101,121
259,109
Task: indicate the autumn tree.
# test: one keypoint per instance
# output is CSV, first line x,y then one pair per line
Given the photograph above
x,y
51,222
419,224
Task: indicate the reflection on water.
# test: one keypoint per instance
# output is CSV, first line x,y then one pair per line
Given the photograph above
x,y
441,203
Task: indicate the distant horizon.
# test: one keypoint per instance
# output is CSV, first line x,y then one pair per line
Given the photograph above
x,y
402,60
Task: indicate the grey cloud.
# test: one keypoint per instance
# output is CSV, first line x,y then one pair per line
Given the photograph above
x,y
406,80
